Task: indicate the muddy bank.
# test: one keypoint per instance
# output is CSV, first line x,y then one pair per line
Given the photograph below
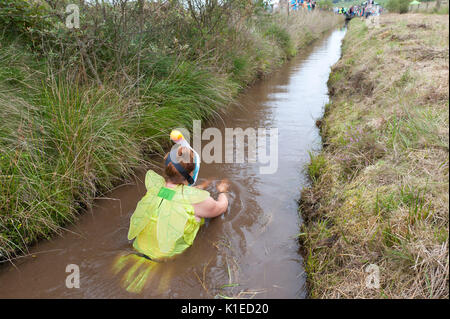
x,y
376,216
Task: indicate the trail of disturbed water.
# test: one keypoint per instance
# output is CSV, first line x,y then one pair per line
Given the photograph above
x,y
251,251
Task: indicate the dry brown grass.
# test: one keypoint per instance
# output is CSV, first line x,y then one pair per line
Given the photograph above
x,y
380,191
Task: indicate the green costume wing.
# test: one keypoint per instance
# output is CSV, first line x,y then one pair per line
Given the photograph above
x,y
153,182
164,221
172,219
147,205
191,195
174,215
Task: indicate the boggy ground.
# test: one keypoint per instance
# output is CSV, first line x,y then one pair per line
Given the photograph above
x,y
379,191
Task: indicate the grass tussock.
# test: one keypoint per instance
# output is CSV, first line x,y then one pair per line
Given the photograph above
x,y
83,108
380,186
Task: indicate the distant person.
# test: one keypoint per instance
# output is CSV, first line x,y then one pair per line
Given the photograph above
x,y
294,5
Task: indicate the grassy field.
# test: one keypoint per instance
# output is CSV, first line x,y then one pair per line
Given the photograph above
x,y
82,109
380,186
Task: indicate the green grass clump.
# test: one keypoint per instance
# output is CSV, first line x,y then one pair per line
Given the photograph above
x,y
316,166
57,153
188,93
399,6
281,36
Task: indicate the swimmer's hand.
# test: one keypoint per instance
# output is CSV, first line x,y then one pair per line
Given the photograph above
x,y
204,184
223,186
210,208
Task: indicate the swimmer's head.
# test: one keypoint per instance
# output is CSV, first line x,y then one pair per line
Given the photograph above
x,y
185,157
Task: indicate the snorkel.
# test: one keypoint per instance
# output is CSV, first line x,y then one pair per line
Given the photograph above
x,y
179,139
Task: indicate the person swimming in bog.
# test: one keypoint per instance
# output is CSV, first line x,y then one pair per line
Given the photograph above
x,y
168,217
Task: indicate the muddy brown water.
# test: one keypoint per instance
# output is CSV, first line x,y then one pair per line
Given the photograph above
x,y
251,251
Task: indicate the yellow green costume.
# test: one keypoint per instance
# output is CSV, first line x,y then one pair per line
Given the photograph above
x,y
164,223
162,226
